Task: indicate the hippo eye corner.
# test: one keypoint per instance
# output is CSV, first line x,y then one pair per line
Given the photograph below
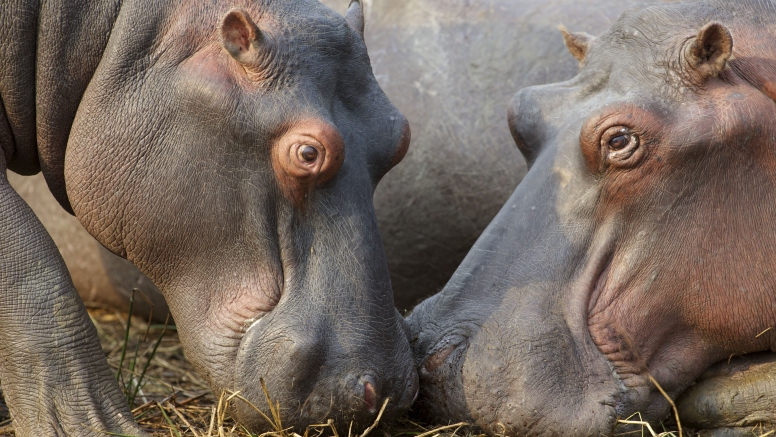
x,y
621,145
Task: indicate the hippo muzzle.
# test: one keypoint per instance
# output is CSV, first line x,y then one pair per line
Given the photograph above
x,y
315,376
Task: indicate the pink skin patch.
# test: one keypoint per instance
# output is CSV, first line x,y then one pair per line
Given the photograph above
x,y
437,358
370,397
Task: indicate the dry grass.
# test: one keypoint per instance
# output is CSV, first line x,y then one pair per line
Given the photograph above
x,y
169,399
172,400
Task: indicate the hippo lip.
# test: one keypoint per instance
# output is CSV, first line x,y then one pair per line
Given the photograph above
x,y
252,322
593,282
623,399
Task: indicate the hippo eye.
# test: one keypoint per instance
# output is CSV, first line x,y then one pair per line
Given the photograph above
x,y
619,142
308,153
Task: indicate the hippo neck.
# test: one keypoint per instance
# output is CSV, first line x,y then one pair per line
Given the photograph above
x,y
71,38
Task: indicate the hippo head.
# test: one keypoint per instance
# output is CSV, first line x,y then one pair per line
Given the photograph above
x,y
639,248
232,154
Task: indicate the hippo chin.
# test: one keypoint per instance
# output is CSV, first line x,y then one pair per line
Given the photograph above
x,y
228,150
638,248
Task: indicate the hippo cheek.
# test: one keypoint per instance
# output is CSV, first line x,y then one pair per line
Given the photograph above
x,y
314,378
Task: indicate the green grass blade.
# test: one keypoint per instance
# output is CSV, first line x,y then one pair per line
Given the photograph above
x,y
126,338
167,418
150,357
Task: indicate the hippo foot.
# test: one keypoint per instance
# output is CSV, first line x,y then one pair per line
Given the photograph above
x,y
733,399
61,422
85,408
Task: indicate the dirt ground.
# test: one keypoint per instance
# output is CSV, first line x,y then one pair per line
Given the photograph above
x,y
169,399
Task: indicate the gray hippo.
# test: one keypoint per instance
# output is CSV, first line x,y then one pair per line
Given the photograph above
x,y
638,250
230,151
449,66
100,277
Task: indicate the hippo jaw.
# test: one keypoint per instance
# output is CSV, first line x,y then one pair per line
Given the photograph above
x,y
487,363
496,365
328,344
327,349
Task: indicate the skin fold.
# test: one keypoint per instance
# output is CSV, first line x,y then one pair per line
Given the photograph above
x,y
638,245
230,152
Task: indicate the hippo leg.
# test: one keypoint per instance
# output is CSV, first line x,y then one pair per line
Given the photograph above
x,y
733,399
55,377
100,277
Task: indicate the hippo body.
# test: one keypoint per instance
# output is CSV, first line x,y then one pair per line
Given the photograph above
x,y
230,151
101,278
449,66
637,252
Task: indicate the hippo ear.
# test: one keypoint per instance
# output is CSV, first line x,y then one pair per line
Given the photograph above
x,y
576,42
241,37
355,17
709,52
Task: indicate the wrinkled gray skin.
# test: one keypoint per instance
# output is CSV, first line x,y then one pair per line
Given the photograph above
x,y
640,243
101,278
184,125
450,66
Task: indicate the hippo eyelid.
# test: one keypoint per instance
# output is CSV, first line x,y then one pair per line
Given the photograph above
x,y
305,155
619,156
615,135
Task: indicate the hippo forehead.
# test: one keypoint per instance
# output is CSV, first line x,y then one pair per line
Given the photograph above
x,y
314,43
644,47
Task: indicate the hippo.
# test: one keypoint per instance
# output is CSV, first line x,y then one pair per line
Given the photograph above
x,y
636,253
102,279
448,67
230,151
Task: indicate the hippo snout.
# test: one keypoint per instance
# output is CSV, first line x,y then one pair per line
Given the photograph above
x,y
315,375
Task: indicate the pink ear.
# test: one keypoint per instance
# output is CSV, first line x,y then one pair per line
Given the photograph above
x,y
577,42
709,52
240,36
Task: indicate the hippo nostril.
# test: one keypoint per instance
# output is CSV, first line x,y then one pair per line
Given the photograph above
x,y
370,393
370,397
437,358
